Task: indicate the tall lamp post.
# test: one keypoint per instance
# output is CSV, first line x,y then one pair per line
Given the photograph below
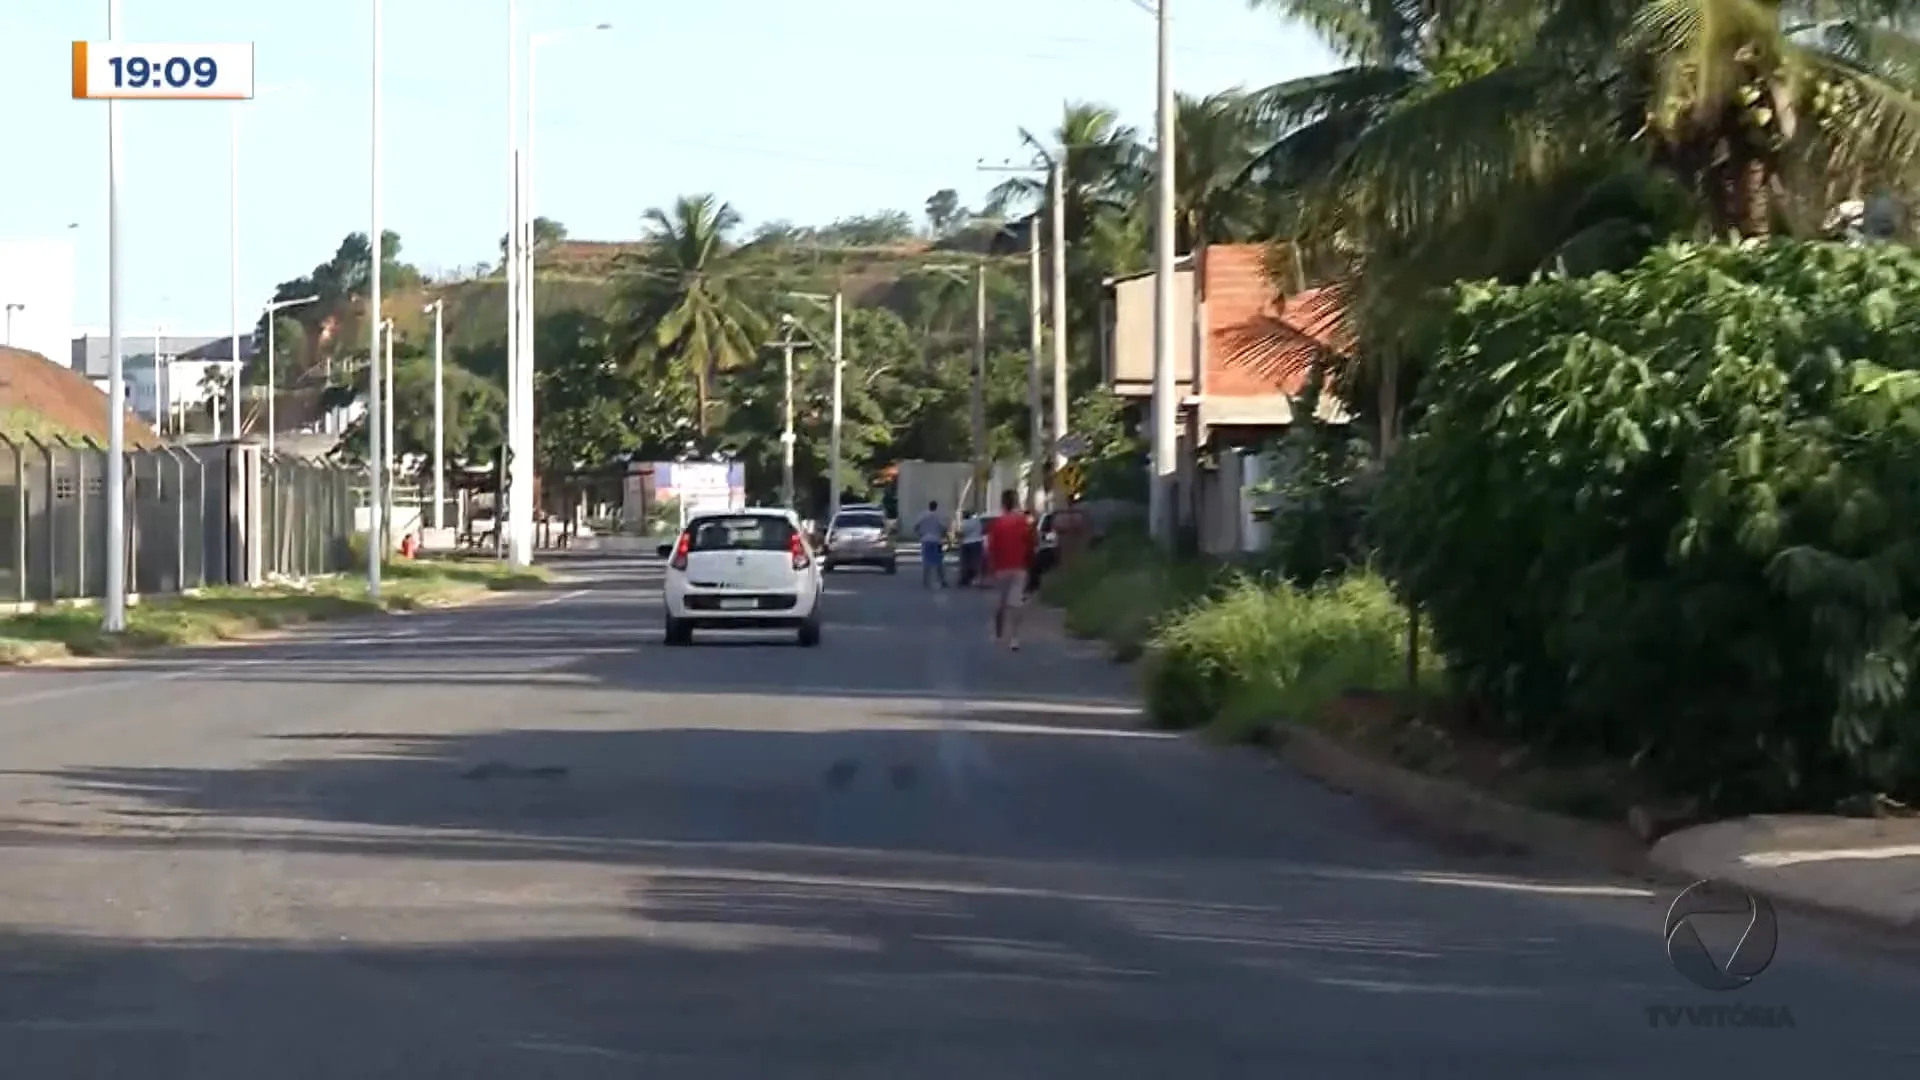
x,y
439,310
520,421
114,610
11,308
376,537
273,382
233,251
388,461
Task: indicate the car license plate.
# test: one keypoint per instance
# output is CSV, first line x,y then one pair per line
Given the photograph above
x,y
737,605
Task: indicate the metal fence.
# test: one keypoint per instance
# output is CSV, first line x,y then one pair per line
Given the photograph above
x,y
210,516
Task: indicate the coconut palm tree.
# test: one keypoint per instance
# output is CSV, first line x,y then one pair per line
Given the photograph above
x,y
1101,171
1453,105
686,301
1216,139
1487,138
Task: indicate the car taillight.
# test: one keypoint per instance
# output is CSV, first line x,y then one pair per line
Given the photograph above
x,y
798,546
680,547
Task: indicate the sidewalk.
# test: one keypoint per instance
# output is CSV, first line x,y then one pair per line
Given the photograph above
x,y
1863,868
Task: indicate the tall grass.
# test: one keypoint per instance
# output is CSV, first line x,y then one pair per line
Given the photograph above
x,y
1258,652
1121,591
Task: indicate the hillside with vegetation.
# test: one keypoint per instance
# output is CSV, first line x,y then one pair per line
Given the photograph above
x,y
610,383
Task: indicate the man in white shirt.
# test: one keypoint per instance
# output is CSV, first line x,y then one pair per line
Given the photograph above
x,y
973,548
931,531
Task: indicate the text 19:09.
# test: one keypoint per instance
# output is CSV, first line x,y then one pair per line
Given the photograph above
x,y
137,73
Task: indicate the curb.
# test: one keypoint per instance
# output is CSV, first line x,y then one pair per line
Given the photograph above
x,y
1457,809
1905,926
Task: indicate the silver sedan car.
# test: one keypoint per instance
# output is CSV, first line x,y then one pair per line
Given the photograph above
x,y
859,537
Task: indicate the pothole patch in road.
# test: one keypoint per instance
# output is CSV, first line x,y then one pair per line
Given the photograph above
x,y
505,770
840,774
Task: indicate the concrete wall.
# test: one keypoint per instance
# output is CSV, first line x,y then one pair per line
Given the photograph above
x,y
39,275
1131,337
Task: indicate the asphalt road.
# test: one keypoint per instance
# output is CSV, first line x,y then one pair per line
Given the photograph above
x,y
527,841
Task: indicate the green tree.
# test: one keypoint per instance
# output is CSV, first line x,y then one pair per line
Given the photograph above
x,y
945,212
331,327
475,410
594,403
546,233
685,302
756,418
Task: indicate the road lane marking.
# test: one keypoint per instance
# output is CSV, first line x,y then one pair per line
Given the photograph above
x,y
135,682
562,598
546,1046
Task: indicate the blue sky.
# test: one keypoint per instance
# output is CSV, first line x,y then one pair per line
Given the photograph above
x,y
804,110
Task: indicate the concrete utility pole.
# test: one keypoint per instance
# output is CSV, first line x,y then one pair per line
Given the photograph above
x,y
1036,433
1053,167
982,467
1058,181
787,345
1161,510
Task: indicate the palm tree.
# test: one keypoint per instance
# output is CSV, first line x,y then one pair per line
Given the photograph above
x,y
1216,138
1100,172
685,301
1492,138
1745,103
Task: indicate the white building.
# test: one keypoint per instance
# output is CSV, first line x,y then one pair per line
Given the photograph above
x,y
36,295
163,371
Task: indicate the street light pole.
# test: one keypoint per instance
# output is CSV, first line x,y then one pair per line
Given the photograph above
x,y
376,537
786,429
233,260
11,308
839,376
1161,510
439,308
273,382
520,425
390,461
114,614
504,515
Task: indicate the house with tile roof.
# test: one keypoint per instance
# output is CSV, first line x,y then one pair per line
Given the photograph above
x,y
1242,351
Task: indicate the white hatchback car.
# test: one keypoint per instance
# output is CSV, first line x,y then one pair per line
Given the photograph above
x,y
747,569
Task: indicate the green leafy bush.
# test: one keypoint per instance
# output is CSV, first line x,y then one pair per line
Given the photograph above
x,y
1670,515
1119,591
1319,497
1264,651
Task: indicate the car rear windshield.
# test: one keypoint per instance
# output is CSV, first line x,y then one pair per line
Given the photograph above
x,y
860,521
744,533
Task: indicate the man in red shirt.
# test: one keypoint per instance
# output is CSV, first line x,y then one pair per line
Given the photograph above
x,y
1010,545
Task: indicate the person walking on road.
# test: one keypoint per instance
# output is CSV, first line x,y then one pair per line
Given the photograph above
x,y
1010,545
973,549
931,531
